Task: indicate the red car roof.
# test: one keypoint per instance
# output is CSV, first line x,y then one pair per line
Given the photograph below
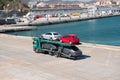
x,y
71,34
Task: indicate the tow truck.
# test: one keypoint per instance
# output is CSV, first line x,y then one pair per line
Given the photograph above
x,y
56,48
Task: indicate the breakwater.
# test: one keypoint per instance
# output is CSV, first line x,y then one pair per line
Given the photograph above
x,y
44,21
12,28
55,16
66,20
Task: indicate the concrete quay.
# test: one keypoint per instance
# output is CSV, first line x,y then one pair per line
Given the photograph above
x,y
18,61
11,28
56,20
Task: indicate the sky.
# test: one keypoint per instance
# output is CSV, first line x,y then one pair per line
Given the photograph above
x,y
26,1
76,0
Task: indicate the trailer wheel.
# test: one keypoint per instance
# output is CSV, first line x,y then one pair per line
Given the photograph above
x,y
51,39
57,54
50,53
36,50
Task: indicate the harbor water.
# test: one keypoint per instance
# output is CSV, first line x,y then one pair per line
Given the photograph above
x,y
98,31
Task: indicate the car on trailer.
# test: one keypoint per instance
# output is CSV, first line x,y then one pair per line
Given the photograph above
x,y
70,38
56,48
51,36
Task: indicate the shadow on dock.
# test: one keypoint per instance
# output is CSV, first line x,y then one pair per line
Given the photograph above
x,y
83,57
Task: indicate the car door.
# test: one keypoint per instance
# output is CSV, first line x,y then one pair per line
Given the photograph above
x,y
75,39
66,38
67,50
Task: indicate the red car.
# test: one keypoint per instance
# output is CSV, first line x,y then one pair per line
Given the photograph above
x,y
70,38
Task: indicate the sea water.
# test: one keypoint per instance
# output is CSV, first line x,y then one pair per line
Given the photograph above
x,y
99,31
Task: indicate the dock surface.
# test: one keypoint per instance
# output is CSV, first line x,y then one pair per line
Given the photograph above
x,y
18,61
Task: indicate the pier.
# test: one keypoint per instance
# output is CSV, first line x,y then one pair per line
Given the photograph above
x,y
54,16
44,21
18,61
12,28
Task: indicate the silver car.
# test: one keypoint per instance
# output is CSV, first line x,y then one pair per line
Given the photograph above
x,y
51,36
73,51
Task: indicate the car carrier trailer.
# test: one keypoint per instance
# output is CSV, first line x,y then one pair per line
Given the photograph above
x,y
56,48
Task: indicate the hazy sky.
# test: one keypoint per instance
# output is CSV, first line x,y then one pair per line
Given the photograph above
x,y
76,0
26,1
72,0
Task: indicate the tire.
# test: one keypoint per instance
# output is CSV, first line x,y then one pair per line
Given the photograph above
x,y
69,54
36,50
57,54
51,39
50,53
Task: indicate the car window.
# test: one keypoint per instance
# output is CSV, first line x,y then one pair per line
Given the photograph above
x,y
55,33
72,48
48,34
67,47
74,36
66,36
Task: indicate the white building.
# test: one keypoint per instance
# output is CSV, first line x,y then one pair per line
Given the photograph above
x,y
41,4
103,3
33,3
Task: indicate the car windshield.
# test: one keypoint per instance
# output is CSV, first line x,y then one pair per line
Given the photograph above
x,y
48,34
72,48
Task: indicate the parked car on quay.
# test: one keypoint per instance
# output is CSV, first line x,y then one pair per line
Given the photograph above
x,y
70,38
2,21
51,36
10,21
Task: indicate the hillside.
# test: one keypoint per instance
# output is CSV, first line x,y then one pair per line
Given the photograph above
x,y
17,5
4,2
